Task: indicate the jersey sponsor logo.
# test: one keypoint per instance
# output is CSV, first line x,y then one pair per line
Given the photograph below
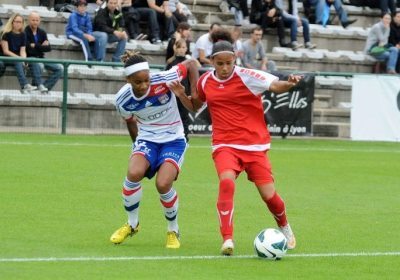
x,y
158,114
253,74
221,86
148,104
159,89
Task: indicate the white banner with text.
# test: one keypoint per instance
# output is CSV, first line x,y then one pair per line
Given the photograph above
x,y
375,110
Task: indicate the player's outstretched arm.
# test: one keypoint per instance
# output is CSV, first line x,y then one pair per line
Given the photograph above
x,y
191,103
278,86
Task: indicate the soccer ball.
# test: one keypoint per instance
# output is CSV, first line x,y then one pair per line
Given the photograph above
x,y
270,244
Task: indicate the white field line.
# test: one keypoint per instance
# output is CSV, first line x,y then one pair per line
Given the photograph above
x,y
166,258
358,150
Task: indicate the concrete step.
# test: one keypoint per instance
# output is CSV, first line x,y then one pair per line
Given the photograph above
x,y
337,115
331,129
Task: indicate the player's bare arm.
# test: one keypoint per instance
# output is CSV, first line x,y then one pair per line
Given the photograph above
x,y
278,86
132,128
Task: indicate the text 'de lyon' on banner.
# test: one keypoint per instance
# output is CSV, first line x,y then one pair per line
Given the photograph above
x,y
375,112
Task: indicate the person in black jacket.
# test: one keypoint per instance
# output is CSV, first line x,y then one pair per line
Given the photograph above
x,y
111,21
267,14
36,45
394,37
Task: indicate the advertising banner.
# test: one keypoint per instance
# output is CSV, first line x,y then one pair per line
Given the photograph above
x,y
375,112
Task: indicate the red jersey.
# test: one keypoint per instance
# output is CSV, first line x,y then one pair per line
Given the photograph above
x,y
236,109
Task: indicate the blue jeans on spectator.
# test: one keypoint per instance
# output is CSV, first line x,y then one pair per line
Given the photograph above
x,y
390,56
55,72
319,10
291,22
99,44
150,16
20,71
119,49
2,68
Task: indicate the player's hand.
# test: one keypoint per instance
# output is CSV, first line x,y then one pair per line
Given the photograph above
x,y
177,88
295,79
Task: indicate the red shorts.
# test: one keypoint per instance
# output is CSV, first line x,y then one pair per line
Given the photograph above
x,y
256,164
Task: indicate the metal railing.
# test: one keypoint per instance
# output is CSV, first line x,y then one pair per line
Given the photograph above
x,y
66,64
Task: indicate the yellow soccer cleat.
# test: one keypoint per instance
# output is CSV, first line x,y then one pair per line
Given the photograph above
x,y
227,248
122,233
173,240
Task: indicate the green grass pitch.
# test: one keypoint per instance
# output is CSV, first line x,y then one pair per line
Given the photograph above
x,y
60,200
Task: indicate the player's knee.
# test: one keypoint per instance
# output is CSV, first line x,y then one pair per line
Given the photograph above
x,y
134,176
163,185
226,186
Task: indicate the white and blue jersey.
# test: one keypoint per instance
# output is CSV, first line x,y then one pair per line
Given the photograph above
x,y
156,112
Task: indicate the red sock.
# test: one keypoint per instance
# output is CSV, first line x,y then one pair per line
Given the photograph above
x,y
277,207
225,208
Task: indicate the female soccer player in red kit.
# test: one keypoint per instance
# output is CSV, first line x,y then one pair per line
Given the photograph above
x,y
240,138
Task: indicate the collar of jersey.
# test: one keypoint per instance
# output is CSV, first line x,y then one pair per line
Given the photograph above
x,y
140,98
227,79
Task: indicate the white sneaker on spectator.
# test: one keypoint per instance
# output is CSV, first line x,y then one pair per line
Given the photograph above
x,y
310,45
43,89
295,45
28,88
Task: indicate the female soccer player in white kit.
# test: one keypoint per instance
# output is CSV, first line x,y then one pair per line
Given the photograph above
x,y
149,108
240,138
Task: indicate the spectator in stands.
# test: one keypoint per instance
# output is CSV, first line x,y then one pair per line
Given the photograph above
x,y
236,34
378,37
204,45
180,55
79,29
163,14
36,45
319,11
150,15
183,31
111,22
293,20
131,18
254,53
394,37
385,5
267,14
13,43
240,10
178,15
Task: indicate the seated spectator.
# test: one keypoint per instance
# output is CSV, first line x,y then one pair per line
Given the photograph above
x,y
319,11
13,43
131,18
236,34
180,55
110,21
163,15
150,15
183,31
254,53
293,21
79,29
386,6
204,44
178,15
240,10
267,14
378,37
36,45
394,37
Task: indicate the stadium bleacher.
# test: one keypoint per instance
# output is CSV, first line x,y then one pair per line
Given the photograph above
x,y
339,50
